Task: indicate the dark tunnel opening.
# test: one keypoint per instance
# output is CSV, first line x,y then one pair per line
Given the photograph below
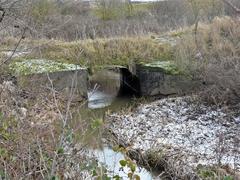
x,y
130,84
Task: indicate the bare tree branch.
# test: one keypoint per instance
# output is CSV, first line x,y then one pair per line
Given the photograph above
x,y
237,10
3,14
15,49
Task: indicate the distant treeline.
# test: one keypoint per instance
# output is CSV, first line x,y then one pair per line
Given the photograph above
x,y
70,20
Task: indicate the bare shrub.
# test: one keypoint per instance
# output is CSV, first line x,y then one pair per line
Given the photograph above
x,y
38,136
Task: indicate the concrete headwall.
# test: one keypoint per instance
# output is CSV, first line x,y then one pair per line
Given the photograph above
x,y
156,81
61,81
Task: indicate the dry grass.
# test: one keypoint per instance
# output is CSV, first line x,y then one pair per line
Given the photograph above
x,y
113,51
213,56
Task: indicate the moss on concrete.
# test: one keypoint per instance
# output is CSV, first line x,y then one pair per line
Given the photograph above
x,y
166,66
35,66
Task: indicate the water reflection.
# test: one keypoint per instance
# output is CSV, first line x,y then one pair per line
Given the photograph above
x,y
98,103
98,99
110,159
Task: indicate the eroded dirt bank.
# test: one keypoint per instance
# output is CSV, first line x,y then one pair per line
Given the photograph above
x,y
186,136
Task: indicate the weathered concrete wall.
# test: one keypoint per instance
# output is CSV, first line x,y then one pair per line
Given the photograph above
x,y
156,81
62,81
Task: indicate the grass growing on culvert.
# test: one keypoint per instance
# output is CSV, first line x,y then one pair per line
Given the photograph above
x,y
93,53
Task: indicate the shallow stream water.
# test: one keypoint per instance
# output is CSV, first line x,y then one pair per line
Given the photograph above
x,y
99,102
110,159
98,99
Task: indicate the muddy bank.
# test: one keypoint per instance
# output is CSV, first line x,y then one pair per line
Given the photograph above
x,y
185,135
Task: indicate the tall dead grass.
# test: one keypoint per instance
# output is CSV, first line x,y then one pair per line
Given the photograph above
x,y
214,58
112,51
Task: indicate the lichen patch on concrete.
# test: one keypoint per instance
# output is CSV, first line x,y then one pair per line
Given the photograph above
x,y
36,66
166,66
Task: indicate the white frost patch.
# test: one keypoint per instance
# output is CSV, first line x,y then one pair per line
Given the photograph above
x,y
206,135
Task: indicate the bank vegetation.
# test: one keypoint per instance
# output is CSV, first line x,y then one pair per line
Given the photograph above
x,y
44,136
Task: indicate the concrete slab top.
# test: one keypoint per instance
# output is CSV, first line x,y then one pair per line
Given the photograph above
x,y
166,66
38,66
